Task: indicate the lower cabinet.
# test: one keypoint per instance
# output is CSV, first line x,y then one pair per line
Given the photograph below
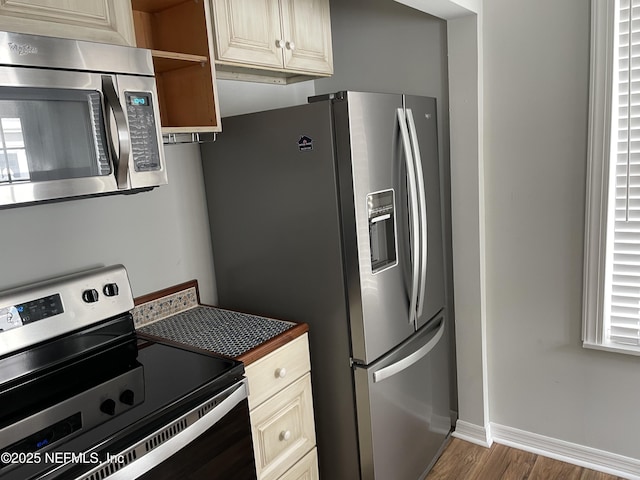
x,y
282,422
305,469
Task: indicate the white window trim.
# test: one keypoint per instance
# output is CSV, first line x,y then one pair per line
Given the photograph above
x,y
599,148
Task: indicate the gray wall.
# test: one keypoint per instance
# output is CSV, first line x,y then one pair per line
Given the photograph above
x,y
536,74
238,97
383,46
162,236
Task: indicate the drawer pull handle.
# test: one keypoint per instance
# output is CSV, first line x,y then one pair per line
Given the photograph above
x,y
286,435
281,372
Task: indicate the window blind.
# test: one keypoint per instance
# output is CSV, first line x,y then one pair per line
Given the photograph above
x,y
622,321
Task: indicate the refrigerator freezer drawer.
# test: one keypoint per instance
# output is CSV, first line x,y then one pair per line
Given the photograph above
x,y
403,407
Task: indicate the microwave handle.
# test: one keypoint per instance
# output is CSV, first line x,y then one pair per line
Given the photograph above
x,y
124,140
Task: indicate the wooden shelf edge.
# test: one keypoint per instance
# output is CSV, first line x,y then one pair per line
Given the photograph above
x,y
166,61
205,129
184,57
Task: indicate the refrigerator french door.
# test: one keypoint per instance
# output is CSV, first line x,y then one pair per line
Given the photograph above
x,y
329,213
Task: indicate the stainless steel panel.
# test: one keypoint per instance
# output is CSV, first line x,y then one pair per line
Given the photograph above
x,y
403,416
18,49
424,114
370,161
77,313
276,237
85,403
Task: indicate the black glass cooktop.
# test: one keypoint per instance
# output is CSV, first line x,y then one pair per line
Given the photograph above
x,y
169,381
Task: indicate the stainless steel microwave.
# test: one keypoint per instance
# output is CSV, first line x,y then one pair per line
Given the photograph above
x,y
76,119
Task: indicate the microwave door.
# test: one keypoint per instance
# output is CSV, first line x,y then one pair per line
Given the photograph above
x,y
139,99
53,140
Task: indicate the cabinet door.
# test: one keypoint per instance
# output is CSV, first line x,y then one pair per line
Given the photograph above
x,y
108,21
283,430
306,28
248,31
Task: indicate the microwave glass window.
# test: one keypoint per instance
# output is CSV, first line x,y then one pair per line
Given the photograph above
x,y
51,134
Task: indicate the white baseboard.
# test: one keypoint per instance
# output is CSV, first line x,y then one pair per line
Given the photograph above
x,y
473,433
611,463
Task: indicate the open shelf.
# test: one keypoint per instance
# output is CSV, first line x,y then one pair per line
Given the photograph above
x,y
164,61
178,34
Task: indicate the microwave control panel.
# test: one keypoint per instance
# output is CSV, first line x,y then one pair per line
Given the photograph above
x,y
142,127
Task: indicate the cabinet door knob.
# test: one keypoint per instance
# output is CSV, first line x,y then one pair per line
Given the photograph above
x,y
290,46
286,435
281,372
279,43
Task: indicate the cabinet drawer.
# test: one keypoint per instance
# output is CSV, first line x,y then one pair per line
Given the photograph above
x,y
275,371
283,429
305,469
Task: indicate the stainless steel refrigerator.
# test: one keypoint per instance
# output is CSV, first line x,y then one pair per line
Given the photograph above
x,y
329,213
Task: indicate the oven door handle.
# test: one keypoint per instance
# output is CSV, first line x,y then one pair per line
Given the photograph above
x,y
124,139
147,461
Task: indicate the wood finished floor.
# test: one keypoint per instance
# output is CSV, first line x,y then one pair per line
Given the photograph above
x,y
465,461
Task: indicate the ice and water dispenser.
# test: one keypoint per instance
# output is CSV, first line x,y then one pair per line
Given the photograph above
x,y
382,232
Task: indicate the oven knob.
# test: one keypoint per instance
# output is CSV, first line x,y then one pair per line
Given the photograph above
x,y
111,289
108,407
90,295
127,397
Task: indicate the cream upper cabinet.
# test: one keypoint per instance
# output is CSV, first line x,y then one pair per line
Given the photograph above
x,y
306,30
247,31
278,36
108,21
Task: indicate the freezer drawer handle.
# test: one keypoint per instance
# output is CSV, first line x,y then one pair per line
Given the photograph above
x,y
409,360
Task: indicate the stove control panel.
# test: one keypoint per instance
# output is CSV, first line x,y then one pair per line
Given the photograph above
x,y
77,414
38,312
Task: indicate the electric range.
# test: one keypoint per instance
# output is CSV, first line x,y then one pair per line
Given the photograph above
x,y
82,397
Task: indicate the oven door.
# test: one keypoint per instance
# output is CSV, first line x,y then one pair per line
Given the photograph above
x,y
211,441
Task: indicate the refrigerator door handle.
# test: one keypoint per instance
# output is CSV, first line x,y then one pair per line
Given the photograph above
x,y
414,233
422,199
406,362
